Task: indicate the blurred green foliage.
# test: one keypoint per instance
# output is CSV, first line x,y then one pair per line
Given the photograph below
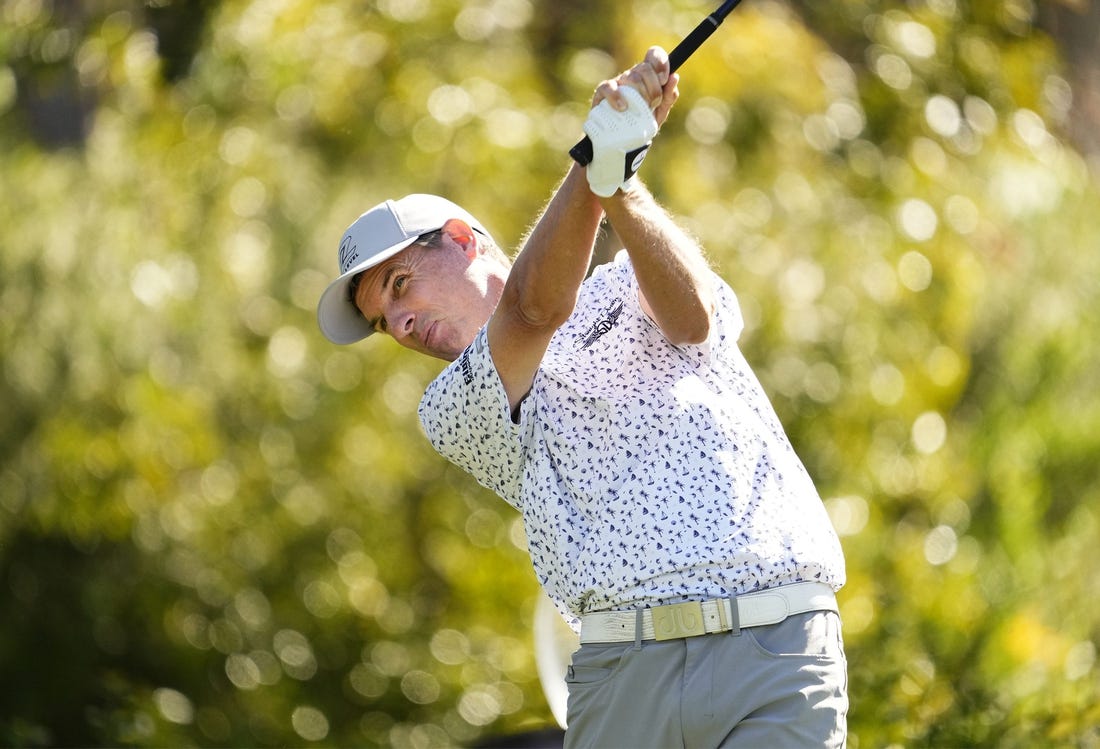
x,y
218,529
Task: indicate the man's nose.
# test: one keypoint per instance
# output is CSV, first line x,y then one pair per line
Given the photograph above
x,y
400,322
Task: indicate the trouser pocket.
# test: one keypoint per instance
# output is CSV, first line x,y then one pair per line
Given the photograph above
x,y
815,635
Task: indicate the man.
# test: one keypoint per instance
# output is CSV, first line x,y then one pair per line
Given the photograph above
x,y
666,512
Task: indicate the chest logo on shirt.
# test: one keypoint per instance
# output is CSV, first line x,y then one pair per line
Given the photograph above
x,y
607,320
466,368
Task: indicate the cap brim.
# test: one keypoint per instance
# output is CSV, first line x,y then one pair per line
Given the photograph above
x,y
340,321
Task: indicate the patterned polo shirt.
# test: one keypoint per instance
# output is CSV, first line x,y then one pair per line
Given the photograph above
x,y
646,473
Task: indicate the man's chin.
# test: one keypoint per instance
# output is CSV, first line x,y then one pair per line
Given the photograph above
x,y
447,351
446,355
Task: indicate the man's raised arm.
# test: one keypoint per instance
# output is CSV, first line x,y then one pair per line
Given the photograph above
x,y
676,284
542,286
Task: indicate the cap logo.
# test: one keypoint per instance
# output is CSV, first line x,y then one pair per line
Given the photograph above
x,y
349,253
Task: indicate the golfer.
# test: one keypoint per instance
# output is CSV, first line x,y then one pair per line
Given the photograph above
x,y
666,513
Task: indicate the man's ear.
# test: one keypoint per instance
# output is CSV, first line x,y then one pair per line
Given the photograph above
x,y
462,235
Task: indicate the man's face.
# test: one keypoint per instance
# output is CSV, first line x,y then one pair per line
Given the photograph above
x,y
430,299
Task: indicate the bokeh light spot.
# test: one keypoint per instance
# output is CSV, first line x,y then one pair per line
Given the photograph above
x,y
309,723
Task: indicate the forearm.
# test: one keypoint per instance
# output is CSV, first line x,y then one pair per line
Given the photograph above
x,y
675,281
543,284
554,259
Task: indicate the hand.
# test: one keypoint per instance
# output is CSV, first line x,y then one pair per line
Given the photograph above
x,y
651,78
619,141
626,113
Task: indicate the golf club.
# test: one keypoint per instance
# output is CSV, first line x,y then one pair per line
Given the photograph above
x,y
582,152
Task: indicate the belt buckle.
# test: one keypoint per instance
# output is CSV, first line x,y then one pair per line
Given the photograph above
x,y
678,620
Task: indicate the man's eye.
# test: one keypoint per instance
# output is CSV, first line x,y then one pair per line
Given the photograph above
x,y
399,283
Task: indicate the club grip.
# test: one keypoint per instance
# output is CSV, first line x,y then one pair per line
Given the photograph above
x,y
582,152
691,42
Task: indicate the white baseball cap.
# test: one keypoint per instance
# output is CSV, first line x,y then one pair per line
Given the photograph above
x,y
378,235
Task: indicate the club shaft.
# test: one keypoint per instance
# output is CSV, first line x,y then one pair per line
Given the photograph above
x,y
582,152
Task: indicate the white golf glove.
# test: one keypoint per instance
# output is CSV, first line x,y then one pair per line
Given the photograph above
x,y
619,141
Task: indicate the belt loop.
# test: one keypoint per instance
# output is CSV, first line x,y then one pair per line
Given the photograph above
x,y
735,617
638,627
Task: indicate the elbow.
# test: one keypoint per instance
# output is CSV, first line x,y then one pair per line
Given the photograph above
x,y
695,339
531,315
541,320
689,334
688,322
691,327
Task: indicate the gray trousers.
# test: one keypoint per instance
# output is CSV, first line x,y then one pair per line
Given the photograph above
x,y
775,686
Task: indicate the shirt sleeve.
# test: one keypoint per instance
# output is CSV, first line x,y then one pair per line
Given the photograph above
x,y
465,415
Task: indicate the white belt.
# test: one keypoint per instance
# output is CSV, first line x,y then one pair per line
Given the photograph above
x,y
676,620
